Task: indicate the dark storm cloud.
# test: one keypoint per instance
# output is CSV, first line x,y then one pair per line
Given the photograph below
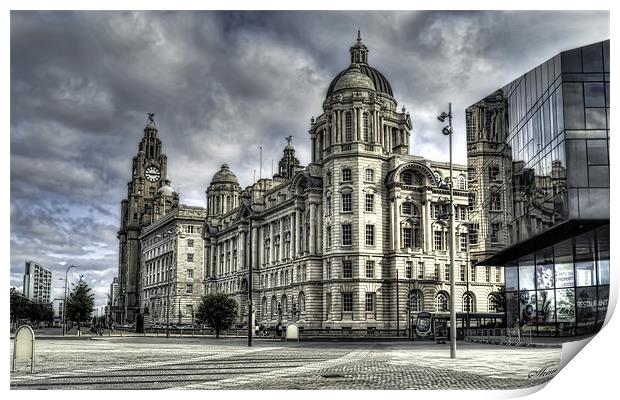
x,y
222,84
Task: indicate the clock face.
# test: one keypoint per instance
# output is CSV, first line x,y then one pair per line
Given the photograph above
x,y
152,174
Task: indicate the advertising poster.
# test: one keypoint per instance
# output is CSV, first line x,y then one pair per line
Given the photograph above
x,y
544,276
564,275
565,305
526,277
527,301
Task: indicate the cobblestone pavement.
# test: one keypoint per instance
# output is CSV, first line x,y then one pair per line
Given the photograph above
x,y
207,363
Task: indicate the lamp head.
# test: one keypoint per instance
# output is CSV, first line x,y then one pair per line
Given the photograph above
x,y
446,130
443,116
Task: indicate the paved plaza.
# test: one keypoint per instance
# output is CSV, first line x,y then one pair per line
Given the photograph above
x,y
227,363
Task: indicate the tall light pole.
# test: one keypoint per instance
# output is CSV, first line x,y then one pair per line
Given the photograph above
x,y
447,130
64,303
250,325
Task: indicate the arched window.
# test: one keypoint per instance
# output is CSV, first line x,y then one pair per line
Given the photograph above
x,y
407,178
415,301
365,127
302,302
492,303
328,179
264,307
284,304
441,302
462,183
274,307
348,132
468,303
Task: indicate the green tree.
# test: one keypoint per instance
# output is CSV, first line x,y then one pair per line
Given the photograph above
x,y
218,311
80,303
19,306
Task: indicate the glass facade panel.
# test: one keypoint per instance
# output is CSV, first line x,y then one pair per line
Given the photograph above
x,y
526,277
527,306
592,58
511,278
546,312
594,93
585,273
597,152
586,309
512,309
596,118
603,300
571,61
573,105
565,305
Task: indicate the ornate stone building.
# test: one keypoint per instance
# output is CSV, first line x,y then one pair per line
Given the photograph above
x,y
355,240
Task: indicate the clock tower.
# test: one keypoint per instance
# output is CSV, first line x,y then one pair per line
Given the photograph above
x,y
149,197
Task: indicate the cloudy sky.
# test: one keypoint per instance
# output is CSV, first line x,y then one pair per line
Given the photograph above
x,y
221,84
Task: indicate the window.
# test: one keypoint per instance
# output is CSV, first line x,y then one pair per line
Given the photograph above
x,y
487,274
436,277
496,201
407,241
407,178
347,269
472,273
346,202
346,235
472,201
328,177
328,239
189,229
408,269
447,272
190,274
370,175
370,269
415,301
370,235
190,257
492,303
189,288
441,302
190,242
370,302
407,209
498,274
493,172
347,302
348,131
495,233
328,205
463,241
462,213
365,127
462,273
438,240
421,270
329,269
370,202
462,183
346,174
473,233
468,303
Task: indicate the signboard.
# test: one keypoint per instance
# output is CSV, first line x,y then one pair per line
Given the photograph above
x,y
292,332
23,346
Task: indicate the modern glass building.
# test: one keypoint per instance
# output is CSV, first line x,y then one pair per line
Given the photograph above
x,y
538,156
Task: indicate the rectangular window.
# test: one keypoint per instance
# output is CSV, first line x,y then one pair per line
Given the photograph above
x,y
494,233
190,242
346,202
487,274
370,302
462,273
436,277
370,175
328,205
473,233
190,257
190,274
420,270
472,202
472,273
348,135
463,213
347,269
347,302
496,201
365,127
328,239
447,272
346,235
370,235
346,174
493,172
463,241
407,233
329,269
438,240
370,202
408,269
370,269
189,288
498,274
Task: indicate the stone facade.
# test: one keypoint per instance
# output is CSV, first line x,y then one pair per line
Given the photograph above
x,y
354,236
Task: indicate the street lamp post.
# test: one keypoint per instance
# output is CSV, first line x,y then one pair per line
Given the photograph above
x,y
447,130
250,327
64,303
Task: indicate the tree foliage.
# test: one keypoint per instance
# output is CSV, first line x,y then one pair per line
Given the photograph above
x,y
218,311
24,309
80,303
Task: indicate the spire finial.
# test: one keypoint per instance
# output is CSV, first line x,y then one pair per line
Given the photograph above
x,y
289,139
359,36
151,116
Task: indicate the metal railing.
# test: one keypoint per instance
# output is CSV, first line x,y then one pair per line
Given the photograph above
x,y
506,336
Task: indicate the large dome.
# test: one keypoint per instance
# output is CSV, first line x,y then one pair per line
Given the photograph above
x,y
353,79
380,83
224,175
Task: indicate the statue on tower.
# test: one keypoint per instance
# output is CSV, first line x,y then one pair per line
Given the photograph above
x,y
289,139
151,117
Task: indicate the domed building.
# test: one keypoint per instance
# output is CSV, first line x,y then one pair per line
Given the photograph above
x,y
355,239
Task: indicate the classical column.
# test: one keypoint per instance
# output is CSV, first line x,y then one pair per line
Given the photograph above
x,y
428,234
292,236
255,246
391,230
242,246
217,259
319,228
298,232
354,123
396,225
312,245
211,261
281,255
